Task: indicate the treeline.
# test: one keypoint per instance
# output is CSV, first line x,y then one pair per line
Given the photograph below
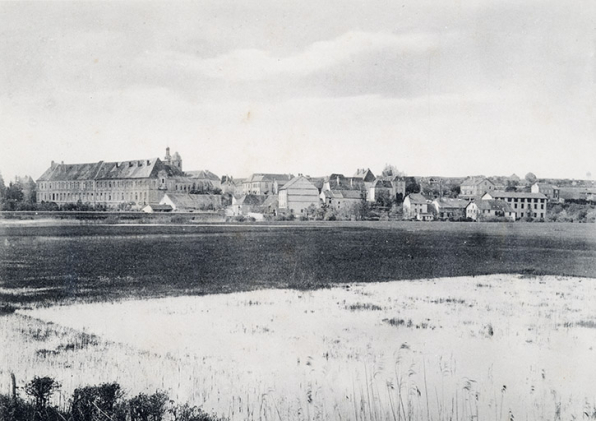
x,y
571,212
94,403
19,194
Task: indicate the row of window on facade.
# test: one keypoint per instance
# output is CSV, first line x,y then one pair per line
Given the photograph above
x,y
101,197
100,184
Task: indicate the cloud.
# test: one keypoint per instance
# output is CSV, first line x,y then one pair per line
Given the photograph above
x,y
256,64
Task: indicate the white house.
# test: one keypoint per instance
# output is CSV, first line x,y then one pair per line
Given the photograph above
x,y
524,204
417,206
480,209
297,195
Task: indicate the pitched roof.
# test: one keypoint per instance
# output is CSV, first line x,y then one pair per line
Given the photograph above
x,y
474,181
417,198
343,194
204,174
451,203
382,183
189,201
158,207
340,182
254,199
142,168
294,181
257,177
493,204
511,194
546,185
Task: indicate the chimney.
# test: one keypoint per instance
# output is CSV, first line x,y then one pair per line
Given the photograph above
x,y
53,164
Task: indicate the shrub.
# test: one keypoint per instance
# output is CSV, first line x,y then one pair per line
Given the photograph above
x,y
96,402
147,407
41,389
190,413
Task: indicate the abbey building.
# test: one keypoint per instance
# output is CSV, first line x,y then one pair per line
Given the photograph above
x,y
135,183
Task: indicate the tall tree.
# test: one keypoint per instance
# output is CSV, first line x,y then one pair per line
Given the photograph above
x,y
2,189
391,171
531,178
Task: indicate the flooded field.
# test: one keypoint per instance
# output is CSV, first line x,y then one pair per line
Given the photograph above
x,y
496,347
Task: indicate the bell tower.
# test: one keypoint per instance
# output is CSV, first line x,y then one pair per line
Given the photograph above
x,y
168,157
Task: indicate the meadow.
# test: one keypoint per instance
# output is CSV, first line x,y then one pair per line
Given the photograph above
x,y
496,347
305,321
102,262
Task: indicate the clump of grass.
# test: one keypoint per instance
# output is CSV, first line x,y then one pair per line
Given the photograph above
x,y
586,323
6,309
399,322
448,300
363,306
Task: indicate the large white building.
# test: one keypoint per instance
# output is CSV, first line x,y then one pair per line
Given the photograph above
x,y
525,205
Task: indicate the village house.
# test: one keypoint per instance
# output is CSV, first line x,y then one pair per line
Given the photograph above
x,y
550,191
244,204
483,209
524,204
265,183
340,182
364,174
447,208
157,208
341,199
380,188
187,202
205,176
416,206
297,195
232,185
475,187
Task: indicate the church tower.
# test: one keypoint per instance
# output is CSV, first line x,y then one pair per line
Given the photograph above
x,y
168,158
177,161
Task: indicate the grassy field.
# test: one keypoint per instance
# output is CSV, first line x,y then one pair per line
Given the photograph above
x,y
41,264
435,347
496,347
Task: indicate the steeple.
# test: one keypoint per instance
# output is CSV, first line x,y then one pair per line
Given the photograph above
x,y
177,160
168,158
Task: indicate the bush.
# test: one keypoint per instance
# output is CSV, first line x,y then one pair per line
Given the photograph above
x,y
96,402
190,413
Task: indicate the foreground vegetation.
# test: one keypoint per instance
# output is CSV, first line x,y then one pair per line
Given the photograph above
x,y
497,347
93,403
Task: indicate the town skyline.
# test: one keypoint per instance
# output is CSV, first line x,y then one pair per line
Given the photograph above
x,y
492,88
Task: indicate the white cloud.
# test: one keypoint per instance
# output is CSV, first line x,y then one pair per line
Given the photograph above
x,y
256,64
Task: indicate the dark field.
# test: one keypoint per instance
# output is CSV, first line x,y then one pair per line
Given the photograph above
x,y
109,262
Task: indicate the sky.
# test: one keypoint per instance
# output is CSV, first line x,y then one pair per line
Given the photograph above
x,y
450,88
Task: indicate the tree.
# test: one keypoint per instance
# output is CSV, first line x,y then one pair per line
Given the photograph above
x,y
40,389
383,198
14,196
391,171
412,186
530,178
2,189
